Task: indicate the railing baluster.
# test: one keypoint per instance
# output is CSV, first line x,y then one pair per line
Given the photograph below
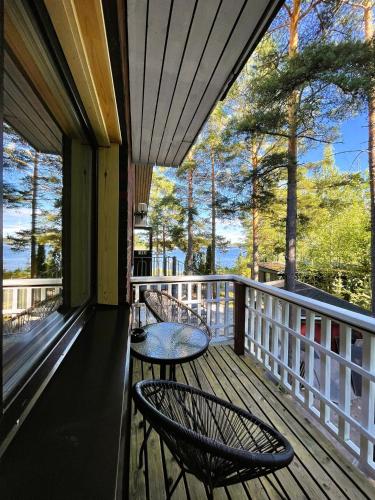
x,y
285,342
209,303
226,308
325,369
199,298
189,298
266,328
368,400
251,320
14,299
296,349
276,315
217,304
309,357
345,388
258,324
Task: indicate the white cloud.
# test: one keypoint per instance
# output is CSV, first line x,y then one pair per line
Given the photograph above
x,y
231,230
16,220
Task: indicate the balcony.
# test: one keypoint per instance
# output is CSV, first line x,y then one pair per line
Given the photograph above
x,y
305,366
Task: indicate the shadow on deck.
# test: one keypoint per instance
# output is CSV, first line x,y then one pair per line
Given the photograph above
x,y
317,471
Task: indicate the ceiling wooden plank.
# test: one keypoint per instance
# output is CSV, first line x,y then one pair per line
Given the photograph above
x,y
33,58
137,21
14,118
65,20
179,27
247,24
157,33
221,32
208,43
143,179
20,107
35,101
199,34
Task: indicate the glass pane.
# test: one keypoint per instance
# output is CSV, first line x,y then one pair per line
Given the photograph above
x,y
32,222
32,206
141,239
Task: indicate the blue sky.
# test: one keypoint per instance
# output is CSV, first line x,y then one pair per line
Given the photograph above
x,y
350,149
350,155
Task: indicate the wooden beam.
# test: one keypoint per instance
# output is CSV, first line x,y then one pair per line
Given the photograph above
x,y
108,216
81,31
80,225
92,25
239,318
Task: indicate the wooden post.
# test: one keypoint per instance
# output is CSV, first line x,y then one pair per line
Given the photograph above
x,y
108,217
239,318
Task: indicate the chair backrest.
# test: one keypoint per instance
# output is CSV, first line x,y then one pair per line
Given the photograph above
x,y
166,308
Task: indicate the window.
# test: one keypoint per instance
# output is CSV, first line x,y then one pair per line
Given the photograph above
x,y
47,199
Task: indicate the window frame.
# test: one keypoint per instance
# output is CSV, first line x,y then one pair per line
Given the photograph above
x,y
71,320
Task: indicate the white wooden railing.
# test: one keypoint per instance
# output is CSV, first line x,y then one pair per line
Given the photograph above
x,y
21,294
323,355
212,298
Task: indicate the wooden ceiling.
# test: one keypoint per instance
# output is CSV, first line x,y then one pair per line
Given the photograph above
x,y
183,56
27,60
25,111
143,178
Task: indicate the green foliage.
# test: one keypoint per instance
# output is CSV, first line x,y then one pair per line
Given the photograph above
x,y
33,182
166,214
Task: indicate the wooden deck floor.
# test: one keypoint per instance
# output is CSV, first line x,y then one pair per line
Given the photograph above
x,y
317,471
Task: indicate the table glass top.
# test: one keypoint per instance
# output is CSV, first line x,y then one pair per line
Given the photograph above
x,y
171,342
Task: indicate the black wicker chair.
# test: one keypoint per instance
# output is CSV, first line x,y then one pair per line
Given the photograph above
x,y
166,308
216,441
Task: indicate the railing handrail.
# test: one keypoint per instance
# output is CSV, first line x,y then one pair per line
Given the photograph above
x,y
31,282
354,319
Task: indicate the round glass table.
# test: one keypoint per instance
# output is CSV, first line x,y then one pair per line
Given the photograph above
x,y
170,344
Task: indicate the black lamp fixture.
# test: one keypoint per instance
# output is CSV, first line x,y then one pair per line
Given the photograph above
x,y
141,210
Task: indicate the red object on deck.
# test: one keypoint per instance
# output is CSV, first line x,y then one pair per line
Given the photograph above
x,y
335,333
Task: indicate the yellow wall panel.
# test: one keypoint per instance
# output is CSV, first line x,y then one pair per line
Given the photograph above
x,y
108,218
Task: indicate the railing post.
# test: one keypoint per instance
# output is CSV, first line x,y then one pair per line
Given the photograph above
x,y
239,318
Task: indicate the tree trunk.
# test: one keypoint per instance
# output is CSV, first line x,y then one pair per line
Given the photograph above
x,y
291,216
255,213
34,207
189,250
369,34
213,214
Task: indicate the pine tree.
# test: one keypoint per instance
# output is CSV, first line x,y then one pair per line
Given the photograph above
x,y
34,181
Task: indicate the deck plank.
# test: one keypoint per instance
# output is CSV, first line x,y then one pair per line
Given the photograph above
x,y
318,470
320,449
296,479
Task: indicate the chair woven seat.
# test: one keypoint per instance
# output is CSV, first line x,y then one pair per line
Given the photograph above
x,y
216,441
168,309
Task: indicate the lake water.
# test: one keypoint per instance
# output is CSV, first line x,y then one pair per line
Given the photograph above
x,y
18,260
15,260
223,259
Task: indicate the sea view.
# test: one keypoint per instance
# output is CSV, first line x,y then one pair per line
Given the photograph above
x,y
15,260
19,260
223,258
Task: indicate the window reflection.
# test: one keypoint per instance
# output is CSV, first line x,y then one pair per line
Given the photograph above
x,y
32,249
